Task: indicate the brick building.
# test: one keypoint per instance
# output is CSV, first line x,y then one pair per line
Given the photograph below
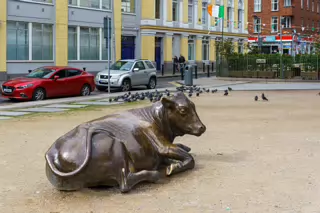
x,y
300,20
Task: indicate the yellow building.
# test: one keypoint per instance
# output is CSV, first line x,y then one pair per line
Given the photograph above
x,y
35,33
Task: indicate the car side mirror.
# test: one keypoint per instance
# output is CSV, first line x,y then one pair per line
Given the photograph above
x,y
56,77
136,69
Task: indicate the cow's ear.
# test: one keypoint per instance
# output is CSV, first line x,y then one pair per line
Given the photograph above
x,y
167,103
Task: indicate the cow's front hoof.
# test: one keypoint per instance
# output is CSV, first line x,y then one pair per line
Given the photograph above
x,y
170,169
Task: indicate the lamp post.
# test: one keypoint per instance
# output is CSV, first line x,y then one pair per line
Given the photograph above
x,y
259,31
281,46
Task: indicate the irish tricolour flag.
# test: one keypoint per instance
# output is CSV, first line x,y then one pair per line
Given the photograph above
x,y
216,11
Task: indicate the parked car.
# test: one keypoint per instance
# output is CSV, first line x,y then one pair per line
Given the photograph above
x,y
49,81
126,74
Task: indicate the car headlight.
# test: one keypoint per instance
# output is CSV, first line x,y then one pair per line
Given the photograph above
x,y
25,86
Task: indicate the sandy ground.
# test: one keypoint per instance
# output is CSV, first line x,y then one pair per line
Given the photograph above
x,y
255,157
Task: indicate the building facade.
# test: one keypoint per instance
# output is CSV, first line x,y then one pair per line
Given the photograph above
x,y
35,33
300,20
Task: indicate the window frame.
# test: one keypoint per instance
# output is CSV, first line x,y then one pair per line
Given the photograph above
x,y
175,16
190,15
255,19
272,24
257,5
274,3
192,43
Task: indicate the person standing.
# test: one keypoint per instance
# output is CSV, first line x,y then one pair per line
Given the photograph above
x,y
182,62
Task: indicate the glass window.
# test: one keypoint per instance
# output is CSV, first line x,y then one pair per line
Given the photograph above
x,y
286,22
318,7
190,11
122,65
274,24
89,43
17,41
149,64
106,4
139,65
257,25
229,16
175,10
61,73
191,48
204,13
46,1
308,3
312,5
287,3
72,43
90,3
40,72
274,5
128,6
302,4
157,8
72,2
205,49
72,73
240,18
42,44
257,5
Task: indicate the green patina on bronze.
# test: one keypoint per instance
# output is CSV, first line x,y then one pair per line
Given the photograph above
x,y
125,148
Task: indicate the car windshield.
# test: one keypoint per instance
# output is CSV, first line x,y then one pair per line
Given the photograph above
x,y
122,65
41,73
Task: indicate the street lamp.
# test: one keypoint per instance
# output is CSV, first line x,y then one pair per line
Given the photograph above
x,y
259,31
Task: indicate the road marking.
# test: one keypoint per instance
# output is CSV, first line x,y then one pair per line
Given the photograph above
x,y
175,83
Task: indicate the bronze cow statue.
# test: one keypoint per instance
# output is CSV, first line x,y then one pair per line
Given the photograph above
x,y
125,148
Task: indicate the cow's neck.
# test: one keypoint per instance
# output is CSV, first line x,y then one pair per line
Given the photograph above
x,y
158,116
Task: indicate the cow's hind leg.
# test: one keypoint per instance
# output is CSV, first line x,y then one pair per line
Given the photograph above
x,y
127,178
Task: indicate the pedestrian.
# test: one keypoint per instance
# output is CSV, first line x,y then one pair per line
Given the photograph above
x,y
175,64
182,62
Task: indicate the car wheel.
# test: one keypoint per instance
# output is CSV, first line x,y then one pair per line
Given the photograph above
x,y
101,88
152,83
85,91
126,85
39,94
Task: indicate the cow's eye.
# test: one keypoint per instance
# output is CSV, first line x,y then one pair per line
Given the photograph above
x,y
183,111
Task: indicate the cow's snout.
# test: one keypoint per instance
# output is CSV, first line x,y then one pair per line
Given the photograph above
x,y
200,129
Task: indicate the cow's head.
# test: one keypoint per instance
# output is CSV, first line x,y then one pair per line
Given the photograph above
x,y
182,115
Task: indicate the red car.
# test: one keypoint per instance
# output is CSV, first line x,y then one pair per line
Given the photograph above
x,y
49,81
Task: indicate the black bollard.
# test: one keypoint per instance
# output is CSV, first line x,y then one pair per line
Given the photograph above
x,y
208,70
162,69
29,71
182,72
196,71
212,66
84,69
174,69
203,67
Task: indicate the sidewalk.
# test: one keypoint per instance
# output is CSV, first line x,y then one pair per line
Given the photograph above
x,y
170,75
267,80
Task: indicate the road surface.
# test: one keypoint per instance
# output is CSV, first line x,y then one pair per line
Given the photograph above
x,y
162,83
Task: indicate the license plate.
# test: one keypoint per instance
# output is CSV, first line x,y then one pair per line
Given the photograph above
x,y
103,81
7,90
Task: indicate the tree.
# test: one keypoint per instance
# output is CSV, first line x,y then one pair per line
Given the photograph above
x,y
225,48
316,43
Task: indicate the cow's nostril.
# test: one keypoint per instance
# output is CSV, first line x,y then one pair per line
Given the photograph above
x,y
202,128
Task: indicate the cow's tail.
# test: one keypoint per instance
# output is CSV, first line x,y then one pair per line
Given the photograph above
x,y
56,171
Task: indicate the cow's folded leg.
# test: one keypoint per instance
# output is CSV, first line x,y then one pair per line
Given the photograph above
x,y
186,160
184,147
129,178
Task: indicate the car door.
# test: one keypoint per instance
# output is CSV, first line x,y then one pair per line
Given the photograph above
x,y
74,81
58,87
151,68
139,76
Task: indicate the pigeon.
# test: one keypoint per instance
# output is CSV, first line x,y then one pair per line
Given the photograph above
x,y
226,93
264,97
110,100
190,94
197,94
256,98
229,88
207,90
214,91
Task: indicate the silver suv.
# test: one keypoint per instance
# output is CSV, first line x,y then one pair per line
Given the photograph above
x,y
126,74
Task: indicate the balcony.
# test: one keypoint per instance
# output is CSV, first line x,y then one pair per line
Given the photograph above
x,y
287,11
